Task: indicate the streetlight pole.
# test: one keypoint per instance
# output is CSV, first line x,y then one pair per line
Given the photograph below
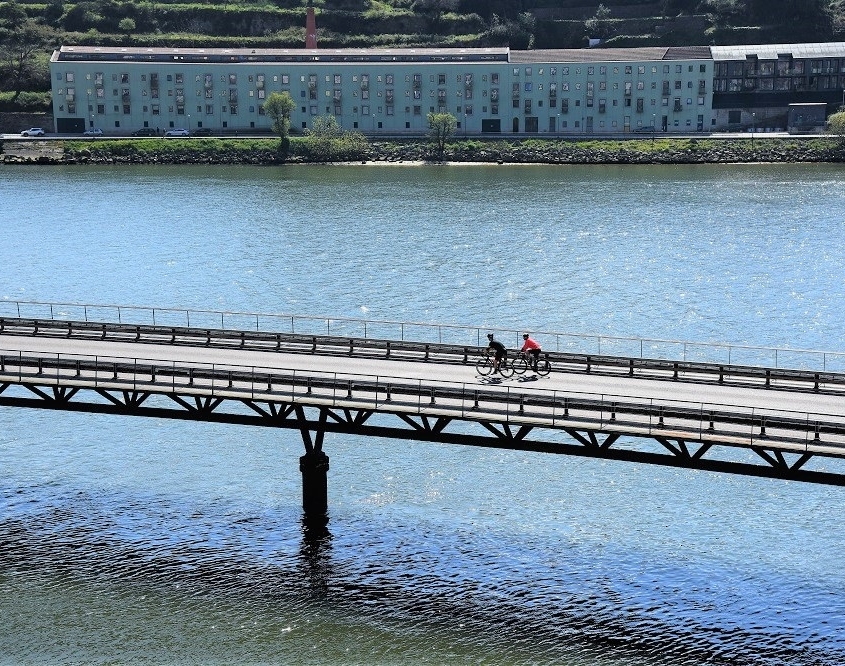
x,y
653,128
753,128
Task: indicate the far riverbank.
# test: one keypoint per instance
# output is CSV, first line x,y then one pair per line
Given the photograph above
x,y
475,150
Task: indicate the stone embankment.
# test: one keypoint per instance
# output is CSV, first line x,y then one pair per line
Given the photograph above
x,y
529,151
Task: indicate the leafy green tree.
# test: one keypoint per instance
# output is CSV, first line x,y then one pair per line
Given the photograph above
x,y
19,52
836,125
127,26
434,10
600,25
441,127
327,141
279,107
12,16
518,34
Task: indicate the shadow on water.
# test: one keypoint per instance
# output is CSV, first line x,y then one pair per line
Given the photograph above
x,y
315,554
533,601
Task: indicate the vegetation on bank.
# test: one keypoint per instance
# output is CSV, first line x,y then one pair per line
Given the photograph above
x,y
304,149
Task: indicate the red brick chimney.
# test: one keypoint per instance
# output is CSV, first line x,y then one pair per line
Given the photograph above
x,y
310,29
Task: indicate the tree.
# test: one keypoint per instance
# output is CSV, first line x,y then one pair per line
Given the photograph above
x,y
328,141
518,34
127,26
279,107
435,9
600,25
19,51
836,125
441,126
12,16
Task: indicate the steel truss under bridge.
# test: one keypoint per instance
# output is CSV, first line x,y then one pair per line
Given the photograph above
x,y
675,434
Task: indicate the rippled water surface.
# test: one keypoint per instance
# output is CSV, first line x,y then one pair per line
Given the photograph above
x,y
146,541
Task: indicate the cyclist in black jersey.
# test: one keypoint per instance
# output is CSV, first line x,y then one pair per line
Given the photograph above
x,y
498,349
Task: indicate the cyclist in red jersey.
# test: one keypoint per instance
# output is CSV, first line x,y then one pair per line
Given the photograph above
x,y
532,348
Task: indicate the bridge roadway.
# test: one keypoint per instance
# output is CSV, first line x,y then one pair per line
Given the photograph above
x,y
759,422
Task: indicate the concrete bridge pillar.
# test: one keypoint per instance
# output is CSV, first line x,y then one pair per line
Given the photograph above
x,y
314,466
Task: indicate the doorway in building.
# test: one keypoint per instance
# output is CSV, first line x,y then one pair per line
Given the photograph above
x,y
516,125
532,124
491,125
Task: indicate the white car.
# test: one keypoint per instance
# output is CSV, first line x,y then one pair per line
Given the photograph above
x,y
177,132
94,131
33,131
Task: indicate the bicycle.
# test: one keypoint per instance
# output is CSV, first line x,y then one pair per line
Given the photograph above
x,y
523,361
486,363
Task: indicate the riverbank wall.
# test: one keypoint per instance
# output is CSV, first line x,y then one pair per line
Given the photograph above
x,y
486,151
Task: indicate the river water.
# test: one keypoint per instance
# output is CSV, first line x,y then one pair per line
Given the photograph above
x,y
143,541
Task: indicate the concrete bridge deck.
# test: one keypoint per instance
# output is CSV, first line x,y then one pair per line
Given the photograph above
x,y
771,422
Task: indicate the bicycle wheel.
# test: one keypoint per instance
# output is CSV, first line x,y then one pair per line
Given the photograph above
x,y
543,367
506,368
484,366
519,365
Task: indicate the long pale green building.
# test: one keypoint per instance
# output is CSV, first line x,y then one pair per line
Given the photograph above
x,y
567,92
390,91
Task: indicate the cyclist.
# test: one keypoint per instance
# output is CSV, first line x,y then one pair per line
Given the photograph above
x,y
498,349
532,348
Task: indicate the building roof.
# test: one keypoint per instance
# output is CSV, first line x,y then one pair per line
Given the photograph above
x,y
83,53
772,51
612,55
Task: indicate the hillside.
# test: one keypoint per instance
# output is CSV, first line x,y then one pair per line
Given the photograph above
x,y
29,29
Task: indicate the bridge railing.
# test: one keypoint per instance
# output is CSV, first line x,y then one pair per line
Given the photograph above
x,y
653,348
730,425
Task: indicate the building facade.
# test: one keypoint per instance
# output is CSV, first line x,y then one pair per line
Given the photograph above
x,y
568,92
753,86
391,91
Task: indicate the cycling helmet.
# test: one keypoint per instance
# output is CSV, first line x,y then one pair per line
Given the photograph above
x,y
525,336
489,336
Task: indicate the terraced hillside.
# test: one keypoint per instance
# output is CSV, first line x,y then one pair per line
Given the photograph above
x,y
30,29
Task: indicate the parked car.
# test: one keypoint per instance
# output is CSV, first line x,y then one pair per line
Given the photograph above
x,y
33,131
203,131
94,131
145,131
648,128
179,131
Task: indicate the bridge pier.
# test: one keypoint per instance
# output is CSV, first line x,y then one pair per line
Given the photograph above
x,y
315,489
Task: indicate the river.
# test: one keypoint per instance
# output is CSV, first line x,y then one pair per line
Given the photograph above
x,y
145,541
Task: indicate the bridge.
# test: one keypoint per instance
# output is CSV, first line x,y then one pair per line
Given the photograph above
x,y
782,419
